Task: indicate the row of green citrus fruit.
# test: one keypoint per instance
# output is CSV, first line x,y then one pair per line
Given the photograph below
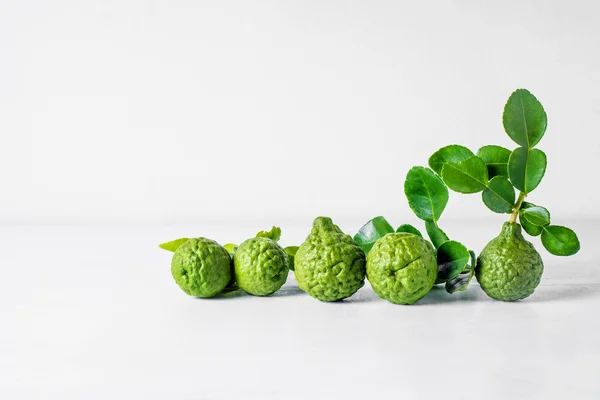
x,y
329,265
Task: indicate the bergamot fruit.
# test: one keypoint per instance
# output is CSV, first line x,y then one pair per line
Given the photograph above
x,y
329,265
509,268
261,265
401,267
201,267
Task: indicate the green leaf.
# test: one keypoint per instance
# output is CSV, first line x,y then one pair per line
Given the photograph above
x,y
468,176
499,195
370,232
231,248
426,193
526,168
291,252
535,215
473,259
531,229
409,229
173,245
452,259
449,154
461,282
524,118
274,234
436,235
560,240
496,160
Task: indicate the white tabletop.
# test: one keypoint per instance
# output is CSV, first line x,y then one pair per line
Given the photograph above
x,y
91,312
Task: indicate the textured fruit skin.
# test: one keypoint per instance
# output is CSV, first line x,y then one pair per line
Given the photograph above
x,y
401,267
201,267
261,266
329,265
509,268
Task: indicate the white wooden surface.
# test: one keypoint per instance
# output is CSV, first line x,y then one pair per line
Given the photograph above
x,y
91,312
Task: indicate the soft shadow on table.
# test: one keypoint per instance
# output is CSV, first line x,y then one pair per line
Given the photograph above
x,y
438,295
563,292
283,292
287,291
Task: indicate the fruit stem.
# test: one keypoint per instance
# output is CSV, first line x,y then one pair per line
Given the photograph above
x,y
515,213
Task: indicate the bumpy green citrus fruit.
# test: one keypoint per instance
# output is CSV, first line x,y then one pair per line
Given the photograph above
x,y
261,266
201,267
329,265
401,267
509,268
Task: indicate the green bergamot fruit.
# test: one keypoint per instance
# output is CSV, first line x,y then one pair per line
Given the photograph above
x,y
401,267
329,265
509,268
261,266
201,267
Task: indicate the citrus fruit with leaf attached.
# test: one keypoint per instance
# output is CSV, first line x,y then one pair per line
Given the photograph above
x,y
261,265
509,268
201,267
401,267
329,265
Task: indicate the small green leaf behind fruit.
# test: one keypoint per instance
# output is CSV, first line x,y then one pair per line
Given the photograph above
x,y
426,193
531,229
468,176
173,245
499,196
496,160
436,235
291,252
560,240
524,118
274,234
409,229
526,168
449,154
535,215
370,232
461,282
231,248
452,258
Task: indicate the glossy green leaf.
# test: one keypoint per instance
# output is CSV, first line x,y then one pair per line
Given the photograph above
x,y
526,168
452,259
409,229
426,193
535,215
496,160
560,240
231,248
461,282
449,154
370,232
499,196
524,118
173,245
473,259
274,234
468,176
436,235
531,229
291,252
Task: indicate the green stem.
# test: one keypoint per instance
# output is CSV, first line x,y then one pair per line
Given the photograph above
x,y
515,213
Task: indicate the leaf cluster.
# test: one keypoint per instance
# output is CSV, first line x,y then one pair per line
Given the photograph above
x,y
497,173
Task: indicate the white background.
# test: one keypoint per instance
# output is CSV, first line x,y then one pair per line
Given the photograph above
x,y
128,123
195,111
